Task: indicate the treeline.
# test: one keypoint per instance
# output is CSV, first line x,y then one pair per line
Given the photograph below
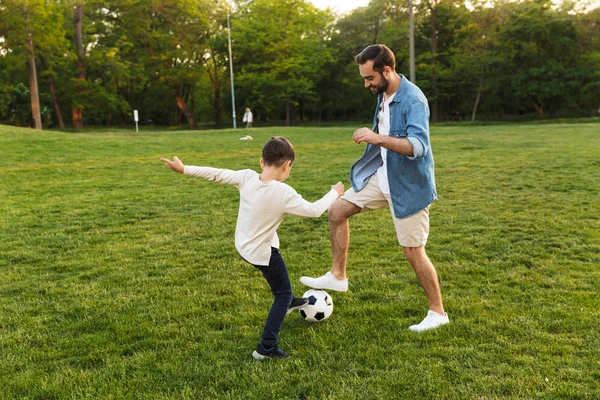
x,y
76,63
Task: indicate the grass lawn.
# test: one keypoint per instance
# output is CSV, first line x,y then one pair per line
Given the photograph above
x,y
119,278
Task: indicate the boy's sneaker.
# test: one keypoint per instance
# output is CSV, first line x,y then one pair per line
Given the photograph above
x,y
432,320
274,353
297,304
327,281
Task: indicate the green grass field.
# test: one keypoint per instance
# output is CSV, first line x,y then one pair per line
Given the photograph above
x,y
119,278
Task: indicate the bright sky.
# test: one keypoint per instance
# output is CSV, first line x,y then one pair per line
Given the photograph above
x,y
343,6
340,6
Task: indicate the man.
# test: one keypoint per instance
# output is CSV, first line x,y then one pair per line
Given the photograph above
x,y
396,171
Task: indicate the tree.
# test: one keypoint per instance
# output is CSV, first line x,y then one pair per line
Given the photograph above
x,y
438,24
76,110
473,58
281,48
215,58
589,35
23,21
540,48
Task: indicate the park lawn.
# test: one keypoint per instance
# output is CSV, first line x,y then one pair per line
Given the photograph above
x,y
119,278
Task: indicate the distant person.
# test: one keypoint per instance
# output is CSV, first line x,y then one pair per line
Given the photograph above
x,y
248,118
456,115
264,201
396,171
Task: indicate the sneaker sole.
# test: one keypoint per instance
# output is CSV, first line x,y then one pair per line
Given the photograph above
x,y
324,287
416,328
259,356
292,309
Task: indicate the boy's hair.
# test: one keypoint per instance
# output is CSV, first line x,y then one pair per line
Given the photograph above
x,y
277,151
381,56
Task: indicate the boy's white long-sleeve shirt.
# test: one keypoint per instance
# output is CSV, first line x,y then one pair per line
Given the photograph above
x,y
262,208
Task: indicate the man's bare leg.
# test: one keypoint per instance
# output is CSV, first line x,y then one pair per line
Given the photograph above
x,y
426,275
339,235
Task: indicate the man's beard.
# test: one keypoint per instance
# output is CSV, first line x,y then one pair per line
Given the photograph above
x,y
382,87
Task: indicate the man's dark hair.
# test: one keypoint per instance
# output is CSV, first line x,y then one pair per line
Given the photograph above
x,y
277,151
381,56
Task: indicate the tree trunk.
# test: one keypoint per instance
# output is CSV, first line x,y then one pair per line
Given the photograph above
x,y
77,113
188,114
33,84
377,30
217,106
217,93
61,122
287,112
33,88
477,101
434,43
539,109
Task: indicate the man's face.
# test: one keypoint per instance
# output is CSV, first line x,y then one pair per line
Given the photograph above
x,y
374,80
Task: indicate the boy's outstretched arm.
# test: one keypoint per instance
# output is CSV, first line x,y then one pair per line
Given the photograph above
x,y
225,176
296,205
176,165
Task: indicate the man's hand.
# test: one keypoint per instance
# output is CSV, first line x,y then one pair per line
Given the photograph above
x,y
176,165
365,135
339,187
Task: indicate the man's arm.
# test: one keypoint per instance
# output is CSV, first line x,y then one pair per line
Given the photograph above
x,y
415,145
398,145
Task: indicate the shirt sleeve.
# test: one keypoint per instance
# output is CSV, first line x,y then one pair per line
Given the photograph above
x,y
418,148
296,205
224,176
417,127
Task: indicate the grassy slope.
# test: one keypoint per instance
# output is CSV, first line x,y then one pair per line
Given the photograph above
x,y
119,278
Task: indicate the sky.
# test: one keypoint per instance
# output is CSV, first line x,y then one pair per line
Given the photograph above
x,y
340,6
343,6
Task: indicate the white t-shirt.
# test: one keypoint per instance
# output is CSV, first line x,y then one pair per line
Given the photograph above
x,y
247,117
384,129
262,208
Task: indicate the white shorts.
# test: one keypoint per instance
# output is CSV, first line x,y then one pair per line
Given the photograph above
x,y
412,231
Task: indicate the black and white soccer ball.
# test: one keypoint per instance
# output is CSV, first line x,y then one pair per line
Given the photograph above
x,y
319,307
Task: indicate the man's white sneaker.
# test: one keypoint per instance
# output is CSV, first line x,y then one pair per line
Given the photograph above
x,y
432,320
326,281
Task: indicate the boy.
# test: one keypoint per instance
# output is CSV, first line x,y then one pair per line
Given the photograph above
x,y
264,201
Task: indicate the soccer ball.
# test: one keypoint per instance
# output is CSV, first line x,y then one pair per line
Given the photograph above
x,y
319,307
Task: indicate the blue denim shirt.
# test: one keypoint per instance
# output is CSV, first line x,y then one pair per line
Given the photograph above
x,y
411,179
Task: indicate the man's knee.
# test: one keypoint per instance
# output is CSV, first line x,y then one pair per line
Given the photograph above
x,y
414,254
341,210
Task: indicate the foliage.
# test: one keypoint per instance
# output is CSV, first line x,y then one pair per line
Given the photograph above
x,y
540,49
170,59
17,106
282,53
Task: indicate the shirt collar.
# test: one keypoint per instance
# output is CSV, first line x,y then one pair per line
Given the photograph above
x,y
400,92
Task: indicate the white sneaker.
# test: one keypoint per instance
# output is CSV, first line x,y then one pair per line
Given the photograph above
x,y
432,320
327,281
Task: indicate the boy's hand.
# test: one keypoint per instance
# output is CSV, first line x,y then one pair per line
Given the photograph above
x,y
339,187
176,165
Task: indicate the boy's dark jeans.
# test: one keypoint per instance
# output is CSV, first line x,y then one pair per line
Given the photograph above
x,y
277,275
